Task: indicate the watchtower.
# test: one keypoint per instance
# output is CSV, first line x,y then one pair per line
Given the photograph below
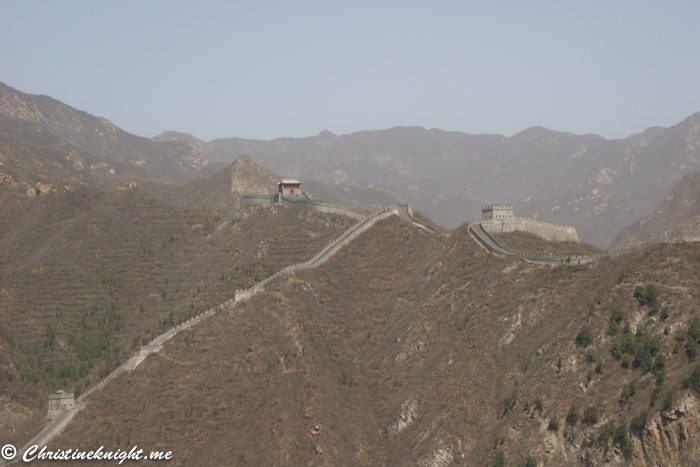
x,y
496,212
59,402
290,188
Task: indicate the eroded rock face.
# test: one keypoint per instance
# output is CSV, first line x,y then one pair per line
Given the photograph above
x,y
671,438
247,177
10,183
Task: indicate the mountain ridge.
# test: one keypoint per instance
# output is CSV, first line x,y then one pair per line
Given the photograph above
x,y
171,160
600,185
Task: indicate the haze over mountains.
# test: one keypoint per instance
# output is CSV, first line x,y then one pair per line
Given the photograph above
x,y
678,215
405,348
600,185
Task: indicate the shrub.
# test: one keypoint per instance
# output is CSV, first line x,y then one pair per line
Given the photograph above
x,y
500,460
606,433
621,437
639,423
626,361
643,359
628,390
590,415
669,401
659,362
591,356
660,377
691,347
693,381
694,329
584,338
572,415
539,405
617,315
647,296
553,424
531,462
599,366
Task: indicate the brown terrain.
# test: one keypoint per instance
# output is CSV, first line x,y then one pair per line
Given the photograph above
x,y
411,349
86,276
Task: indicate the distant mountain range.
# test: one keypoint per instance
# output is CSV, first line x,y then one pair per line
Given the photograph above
x,y
600,185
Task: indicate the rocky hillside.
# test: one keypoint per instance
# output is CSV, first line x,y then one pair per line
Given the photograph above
x,y
44,121
600,185
678,215
224,190
411,349
86,274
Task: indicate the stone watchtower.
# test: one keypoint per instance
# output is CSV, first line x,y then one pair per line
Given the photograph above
x,y
59,402
496,212
290,188
496,219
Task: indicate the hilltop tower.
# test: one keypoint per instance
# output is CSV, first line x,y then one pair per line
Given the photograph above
x,y
290,188
59,402
496,211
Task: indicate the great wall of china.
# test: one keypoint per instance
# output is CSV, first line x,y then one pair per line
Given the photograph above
x,y
482,237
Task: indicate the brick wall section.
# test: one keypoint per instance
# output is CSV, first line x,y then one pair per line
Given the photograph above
x,y
546,230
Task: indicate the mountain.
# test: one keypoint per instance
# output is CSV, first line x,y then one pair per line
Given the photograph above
x,y
678,215
411,349
44,121
87,274
600,185
222,190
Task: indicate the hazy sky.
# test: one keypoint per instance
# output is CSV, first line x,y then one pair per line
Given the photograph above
x,y
293,68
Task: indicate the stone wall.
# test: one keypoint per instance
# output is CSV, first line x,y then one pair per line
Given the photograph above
x,y
324,254
322,206
546,230
265,200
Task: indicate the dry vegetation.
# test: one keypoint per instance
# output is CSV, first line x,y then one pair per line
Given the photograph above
x,y
87,275
410,349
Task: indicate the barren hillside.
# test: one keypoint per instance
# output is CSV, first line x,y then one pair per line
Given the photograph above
x,y
86,275
411,349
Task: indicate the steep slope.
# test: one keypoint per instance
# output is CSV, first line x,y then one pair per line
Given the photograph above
x,y
600,185
85,275
46,117
411,349
678,215
223,190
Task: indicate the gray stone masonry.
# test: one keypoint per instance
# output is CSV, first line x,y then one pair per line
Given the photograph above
x,y
499,219
58,402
